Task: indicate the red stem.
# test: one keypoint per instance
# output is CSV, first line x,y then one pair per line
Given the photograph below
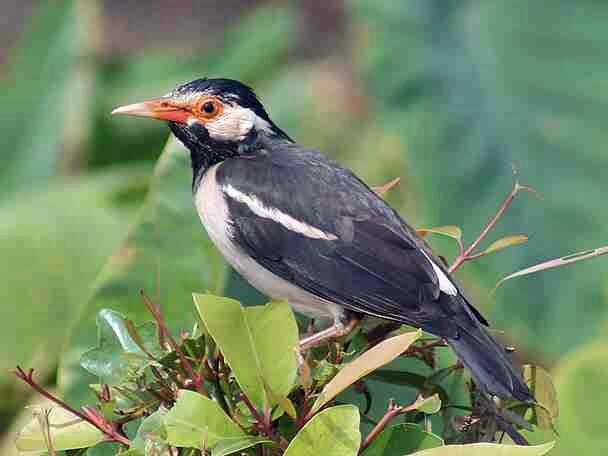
x,y
90,415
466,255
392,412
264,423
154,309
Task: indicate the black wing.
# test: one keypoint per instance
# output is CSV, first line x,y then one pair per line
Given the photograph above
x,y
371,262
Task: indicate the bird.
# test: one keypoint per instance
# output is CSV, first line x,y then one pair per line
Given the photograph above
x,y
302,228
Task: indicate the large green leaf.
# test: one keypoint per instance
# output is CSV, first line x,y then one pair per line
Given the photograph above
x,y
473,87
402,439
333,432
53,244
118,355
165,253
58,429
581,384
151,434
199,422
487,449
34,98
377,356
545,414
257,342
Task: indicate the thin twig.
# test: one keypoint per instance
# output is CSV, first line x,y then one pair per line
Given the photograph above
x,y
88,414
393,411
254,411
467,254
197,378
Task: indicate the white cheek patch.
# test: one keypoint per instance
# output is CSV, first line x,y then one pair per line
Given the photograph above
x,y
233,124
261,210
445,284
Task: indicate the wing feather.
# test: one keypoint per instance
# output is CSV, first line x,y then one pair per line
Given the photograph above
x,y
375,266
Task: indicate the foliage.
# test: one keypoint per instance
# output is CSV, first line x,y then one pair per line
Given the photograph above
x,y
248,394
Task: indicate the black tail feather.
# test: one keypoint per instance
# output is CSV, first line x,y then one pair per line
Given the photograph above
x,y
489,363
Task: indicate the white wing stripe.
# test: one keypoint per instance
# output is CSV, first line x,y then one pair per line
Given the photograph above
x,y
445,284
260,209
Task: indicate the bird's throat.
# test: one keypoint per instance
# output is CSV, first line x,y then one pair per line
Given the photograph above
x,y
204,151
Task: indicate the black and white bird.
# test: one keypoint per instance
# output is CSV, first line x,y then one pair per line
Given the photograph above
x,y
300,227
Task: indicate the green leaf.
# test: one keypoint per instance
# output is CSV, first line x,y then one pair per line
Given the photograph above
x,y
118,355
429,405
57,429
420,382
151,437
283,402
505,242
332,432
166,253
581,383
555,263
131,452
257,342
449,230
402,439
226,447
198,422
377,356
487,449
541,384
46,272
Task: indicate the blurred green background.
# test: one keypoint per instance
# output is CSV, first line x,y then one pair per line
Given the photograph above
x,y
449,95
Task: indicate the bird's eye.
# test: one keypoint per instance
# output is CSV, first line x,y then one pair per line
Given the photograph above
x,y
208,107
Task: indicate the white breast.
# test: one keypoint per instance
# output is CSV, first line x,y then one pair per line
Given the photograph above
x,y
212,209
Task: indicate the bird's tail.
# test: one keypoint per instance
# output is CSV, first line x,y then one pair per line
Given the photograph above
x,y
489,363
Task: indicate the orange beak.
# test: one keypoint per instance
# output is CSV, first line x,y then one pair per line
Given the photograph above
x,y
161,109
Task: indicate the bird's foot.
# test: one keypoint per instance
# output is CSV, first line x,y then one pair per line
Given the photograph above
x,y
338,329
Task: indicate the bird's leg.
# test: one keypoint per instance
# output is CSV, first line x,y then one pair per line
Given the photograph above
x,y
338,329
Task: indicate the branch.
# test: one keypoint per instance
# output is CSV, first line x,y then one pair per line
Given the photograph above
x,y
393,411
264,423
468,254
88,414
196,377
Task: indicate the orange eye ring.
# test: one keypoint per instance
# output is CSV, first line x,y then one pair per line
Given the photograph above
x,y
209,108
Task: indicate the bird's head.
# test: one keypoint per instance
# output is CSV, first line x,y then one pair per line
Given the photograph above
x,y
210,116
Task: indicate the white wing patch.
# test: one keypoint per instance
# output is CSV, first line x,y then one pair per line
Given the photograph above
x,y
445,284
261,210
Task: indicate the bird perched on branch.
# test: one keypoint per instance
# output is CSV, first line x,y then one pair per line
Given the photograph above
x,y
300,227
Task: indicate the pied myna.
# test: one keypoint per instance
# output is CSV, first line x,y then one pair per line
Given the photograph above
x,y
300,227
